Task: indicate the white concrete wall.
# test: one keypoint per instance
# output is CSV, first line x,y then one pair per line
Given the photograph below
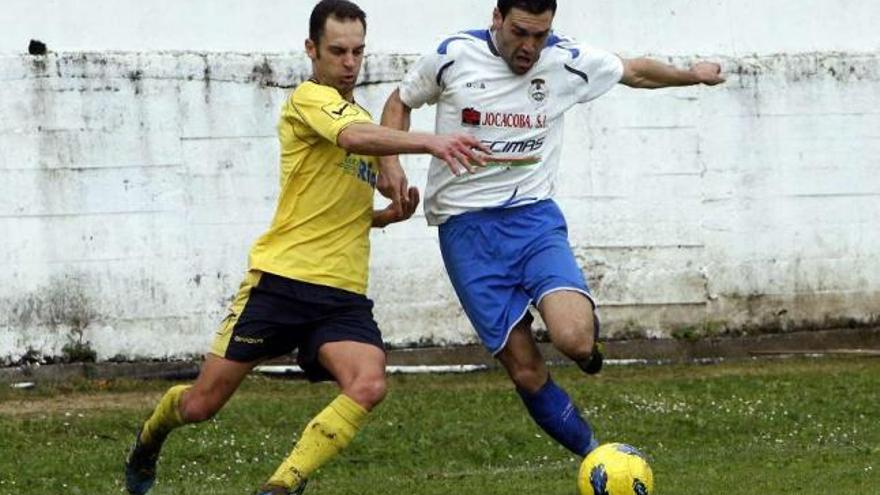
x,y
132,184
669,27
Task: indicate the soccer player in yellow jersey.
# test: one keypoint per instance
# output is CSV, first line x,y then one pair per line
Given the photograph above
x,y
307,278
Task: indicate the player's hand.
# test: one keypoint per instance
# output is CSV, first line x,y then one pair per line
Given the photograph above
x,y
392,182
397,213
708,73
459,151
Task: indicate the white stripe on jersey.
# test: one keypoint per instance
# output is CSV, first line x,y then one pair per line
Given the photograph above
x,y
519,117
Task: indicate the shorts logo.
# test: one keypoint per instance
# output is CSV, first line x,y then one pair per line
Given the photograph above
x,y
470,117
538,91
247,340
340,110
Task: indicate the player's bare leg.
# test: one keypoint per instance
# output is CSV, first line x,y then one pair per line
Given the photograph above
x,y
359,369
522,359
218,379
573,328
549,405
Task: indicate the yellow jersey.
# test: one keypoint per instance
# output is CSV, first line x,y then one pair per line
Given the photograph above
x,y
320,232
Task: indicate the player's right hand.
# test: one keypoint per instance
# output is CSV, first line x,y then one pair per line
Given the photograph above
x,y
459,151
393,183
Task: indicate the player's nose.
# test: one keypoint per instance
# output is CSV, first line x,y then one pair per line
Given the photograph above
x,y
534,44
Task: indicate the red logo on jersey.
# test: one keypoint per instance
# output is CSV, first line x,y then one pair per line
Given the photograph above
x,y
475,118
471,117
514,120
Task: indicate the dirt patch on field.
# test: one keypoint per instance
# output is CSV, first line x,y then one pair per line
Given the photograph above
x,y
74,403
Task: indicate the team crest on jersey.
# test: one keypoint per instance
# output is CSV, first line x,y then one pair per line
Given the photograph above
x,y
538,91
470,117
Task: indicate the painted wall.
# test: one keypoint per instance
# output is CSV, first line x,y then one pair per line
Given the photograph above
x,y
669,27
132,184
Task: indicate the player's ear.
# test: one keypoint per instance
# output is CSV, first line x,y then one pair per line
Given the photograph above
x,y
311,49
497,20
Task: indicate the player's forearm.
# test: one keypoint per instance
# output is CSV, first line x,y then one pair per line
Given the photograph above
x,y
396,114
375,140
651,74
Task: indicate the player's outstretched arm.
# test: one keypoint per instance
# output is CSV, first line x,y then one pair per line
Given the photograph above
x,y
457,150
651,74
396,115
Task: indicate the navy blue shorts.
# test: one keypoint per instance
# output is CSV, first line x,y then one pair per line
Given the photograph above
x,y
273,315
502,260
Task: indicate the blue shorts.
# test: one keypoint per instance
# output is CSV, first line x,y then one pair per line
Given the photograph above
x,y
502,260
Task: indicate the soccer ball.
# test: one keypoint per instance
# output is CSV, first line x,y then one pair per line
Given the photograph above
x,y
615,469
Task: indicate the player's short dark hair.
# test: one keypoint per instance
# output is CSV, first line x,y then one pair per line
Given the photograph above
x,y
530,6
340,9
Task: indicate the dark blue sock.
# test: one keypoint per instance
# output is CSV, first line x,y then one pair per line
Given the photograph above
x,y
554,412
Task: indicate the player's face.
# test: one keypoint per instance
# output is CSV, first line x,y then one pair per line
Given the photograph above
x,y
337,58
521,36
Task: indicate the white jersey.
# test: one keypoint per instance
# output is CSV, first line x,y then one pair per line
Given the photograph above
x,y
519,117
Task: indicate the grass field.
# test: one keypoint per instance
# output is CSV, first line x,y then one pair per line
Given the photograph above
x,y
771,427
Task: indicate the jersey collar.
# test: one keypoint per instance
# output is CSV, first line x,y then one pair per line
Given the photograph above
x,y
490,40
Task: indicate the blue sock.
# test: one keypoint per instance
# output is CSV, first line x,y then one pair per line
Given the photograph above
x,y
554,412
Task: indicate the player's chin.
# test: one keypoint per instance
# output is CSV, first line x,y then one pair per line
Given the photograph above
x,y
521,66
347,82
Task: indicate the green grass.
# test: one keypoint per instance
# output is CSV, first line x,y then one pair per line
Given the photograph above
x,y
768,427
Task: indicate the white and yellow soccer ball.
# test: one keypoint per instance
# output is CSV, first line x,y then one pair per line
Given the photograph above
x,y
615,469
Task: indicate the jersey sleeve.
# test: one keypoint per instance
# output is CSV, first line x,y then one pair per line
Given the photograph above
x,y
597,71
325,111
423,83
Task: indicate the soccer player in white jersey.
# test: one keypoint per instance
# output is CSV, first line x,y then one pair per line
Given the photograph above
x,y
504,240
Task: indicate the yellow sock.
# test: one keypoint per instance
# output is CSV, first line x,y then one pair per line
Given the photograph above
x,y
165,418
324,437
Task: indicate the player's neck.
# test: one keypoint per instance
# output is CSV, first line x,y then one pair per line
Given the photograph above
x,y
349,96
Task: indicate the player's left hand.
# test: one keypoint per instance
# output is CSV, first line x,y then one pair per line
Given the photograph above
x,y
708,73
397,212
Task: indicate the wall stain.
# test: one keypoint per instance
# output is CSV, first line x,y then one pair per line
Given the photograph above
x,y
64,305
262,73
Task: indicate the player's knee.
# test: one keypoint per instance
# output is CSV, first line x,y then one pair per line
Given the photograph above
x,y
368,392
575,339
529,377
195,407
